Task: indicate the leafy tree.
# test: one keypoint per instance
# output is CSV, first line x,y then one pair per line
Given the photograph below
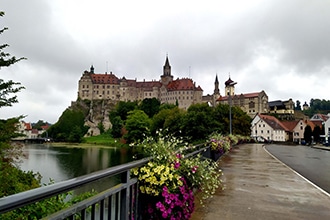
x,y
298,106
137,126
167,106
308,134
122,109
198,122
316,134
221,115
241,122
117,125
70,126
150,106
173,123
12,179
39,124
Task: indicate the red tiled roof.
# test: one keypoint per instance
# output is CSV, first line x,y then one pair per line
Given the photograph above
x,y
246,95
104,79
290,124
273,122
182,84
321,116
27,126
44,127
148,84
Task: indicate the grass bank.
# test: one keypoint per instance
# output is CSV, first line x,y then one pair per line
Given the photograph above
x,y
104,139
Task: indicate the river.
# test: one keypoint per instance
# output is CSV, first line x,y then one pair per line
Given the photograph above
x,y
63,162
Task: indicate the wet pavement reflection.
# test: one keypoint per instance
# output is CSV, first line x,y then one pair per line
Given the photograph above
x,y
257,186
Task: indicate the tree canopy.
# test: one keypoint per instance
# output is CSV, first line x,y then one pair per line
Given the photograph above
x,y
12,179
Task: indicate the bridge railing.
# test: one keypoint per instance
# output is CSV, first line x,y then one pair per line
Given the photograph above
x,y
117,202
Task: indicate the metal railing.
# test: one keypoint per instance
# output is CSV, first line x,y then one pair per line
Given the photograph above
x,y
117,202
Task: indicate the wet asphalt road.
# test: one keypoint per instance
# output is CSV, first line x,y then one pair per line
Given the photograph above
x,y
311,163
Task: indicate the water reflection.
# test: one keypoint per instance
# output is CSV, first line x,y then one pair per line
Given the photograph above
x,y
62,162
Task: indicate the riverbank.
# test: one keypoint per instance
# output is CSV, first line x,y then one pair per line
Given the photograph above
x,y
80,145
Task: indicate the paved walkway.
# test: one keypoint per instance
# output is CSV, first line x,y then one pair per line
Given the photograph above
x,y
257,186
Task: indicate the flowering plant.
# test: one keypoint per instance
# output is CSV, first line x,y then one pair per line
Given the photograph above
x,y
170,178
220,143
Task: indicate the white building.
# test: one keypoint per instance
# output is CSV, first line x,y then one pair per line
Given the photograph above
x,y
269,128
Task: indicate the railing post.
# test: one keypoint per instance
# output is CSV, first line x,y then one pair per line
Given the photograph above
x,y
124,210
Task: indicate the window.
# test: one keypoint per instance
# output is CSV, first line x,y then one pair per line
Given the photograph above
x,y
251,105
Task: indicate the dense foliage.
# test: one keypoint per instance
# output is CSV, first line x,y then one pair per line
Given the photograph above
x,y
195,124
70,126
316,106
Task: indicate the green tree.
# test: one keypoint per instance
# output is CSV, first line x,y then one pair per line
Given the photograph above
x,y
117,125
221,115
12,179
70,126
308,134
298,106
173,123
241,122
150,106
39,124
137,126
122,108
198,122
316,133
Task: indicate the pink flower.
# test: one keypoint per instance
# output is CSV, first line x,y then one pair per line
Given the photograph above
x,y
176,165
179,156
194,169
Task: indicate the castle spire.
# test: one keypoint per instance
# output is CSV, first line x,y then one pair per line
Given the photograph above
x,y
216,86
167,67
92,69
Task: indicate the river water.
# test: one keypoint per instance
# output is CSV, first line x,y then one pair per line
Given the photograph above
x,y
63,162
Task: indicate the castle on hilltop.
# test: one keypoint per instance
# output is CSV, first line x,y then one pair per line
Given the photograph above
x,y
108,86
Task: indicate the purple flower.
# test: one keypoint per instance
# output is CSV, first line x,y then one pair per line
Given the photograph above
x,y
164,214
194,169
176,165
179,156
160,206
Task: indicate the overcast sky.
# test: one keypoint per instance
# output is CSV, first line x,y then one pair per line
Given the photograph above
x,y
279,46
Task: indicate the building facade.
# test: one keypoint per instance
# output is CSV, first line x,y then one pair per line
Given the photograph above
x,y
251,103
183,92
269,128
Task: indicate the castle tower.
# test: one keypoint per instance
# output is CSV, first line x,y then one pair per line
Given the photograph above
x,y
216,86
166,77
230,87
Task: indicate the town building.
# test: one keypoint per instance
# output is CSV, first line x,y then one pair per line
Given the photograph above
x,y
108,86
251,103
27,132
268,128
283,109
296,130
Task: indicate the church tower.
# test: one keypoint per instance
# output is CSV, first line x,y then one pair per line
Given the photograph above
x,y
230,87
216,86
166,78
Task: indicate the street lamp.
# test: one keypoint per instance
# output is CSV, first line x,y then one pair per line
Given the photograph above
x,y
229,96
